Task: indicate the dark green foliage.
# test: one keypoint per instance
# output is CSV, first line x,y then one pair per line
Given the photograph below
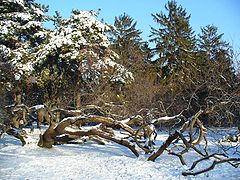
x,y
127,42
174,39
125,32
57,19
217,56
20,21
211,42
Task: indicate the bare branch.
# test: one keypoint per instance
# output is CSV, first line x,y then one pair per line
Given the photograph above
x,y
215,162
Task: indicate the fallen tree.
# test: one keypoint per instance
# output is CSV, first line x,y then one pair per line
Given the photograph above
x,y
135,133
17,133
105,129
50,137
186,144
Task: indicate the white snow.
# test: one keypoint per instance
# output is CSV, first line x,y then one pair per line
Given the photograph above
x,y
19,2
22,15
81,29
32,24
92,161
36,107
4,50
121,74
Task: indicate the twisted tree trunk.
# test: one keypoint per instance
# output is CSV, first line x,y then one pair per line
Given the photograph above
x,y
49,138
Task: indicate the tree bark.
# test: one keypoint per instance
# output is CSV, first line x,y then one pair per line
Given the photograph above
x,y
215,162
49,138
18,99
78,100
17,133
169,140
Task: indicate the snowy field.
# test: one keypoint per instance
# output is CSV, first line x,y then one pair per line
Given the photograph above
x,y
92,161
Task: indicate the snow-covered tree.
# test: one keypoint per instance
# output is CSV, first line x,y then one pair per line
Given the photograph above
x,y
77,54
20,20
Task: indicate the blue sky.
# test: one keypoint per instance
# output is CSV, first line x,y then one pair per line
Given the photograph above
x,y
224,14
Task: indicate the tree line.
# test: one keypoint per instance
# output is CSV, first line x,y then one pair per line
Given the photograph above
x,y
84,61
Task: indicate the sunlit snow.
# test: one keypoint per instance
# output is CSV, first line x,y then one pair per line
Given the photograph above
x,y
92,161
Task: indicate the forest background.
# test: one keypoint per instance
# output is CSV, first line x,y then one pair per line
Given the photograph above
x,y
81,61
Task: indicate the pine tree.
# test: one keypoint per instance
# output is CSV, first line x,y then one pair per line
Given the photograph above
x,y
174,39
217,75
6,69
217,53
212,43
76,55
57,19
126,41
20,23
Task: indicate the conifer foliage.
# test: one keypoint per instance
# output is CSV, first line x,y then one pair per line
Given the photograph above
x,y
20,21
126,41
174,39
77,54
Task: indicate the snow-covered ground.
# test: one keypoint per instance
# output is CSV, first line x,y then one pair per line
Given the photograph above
x,y
92,161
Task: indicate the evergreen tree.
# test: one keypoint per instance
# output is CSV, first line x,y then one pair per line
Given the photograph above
x,y
20,24
57,19
214,48
174,39
212,43
217,75
6,69
76,55
126,41
20,20
217,53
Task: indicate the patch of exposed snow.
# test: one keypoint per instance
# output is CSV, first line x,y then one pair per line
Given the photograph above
x,y
92,161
